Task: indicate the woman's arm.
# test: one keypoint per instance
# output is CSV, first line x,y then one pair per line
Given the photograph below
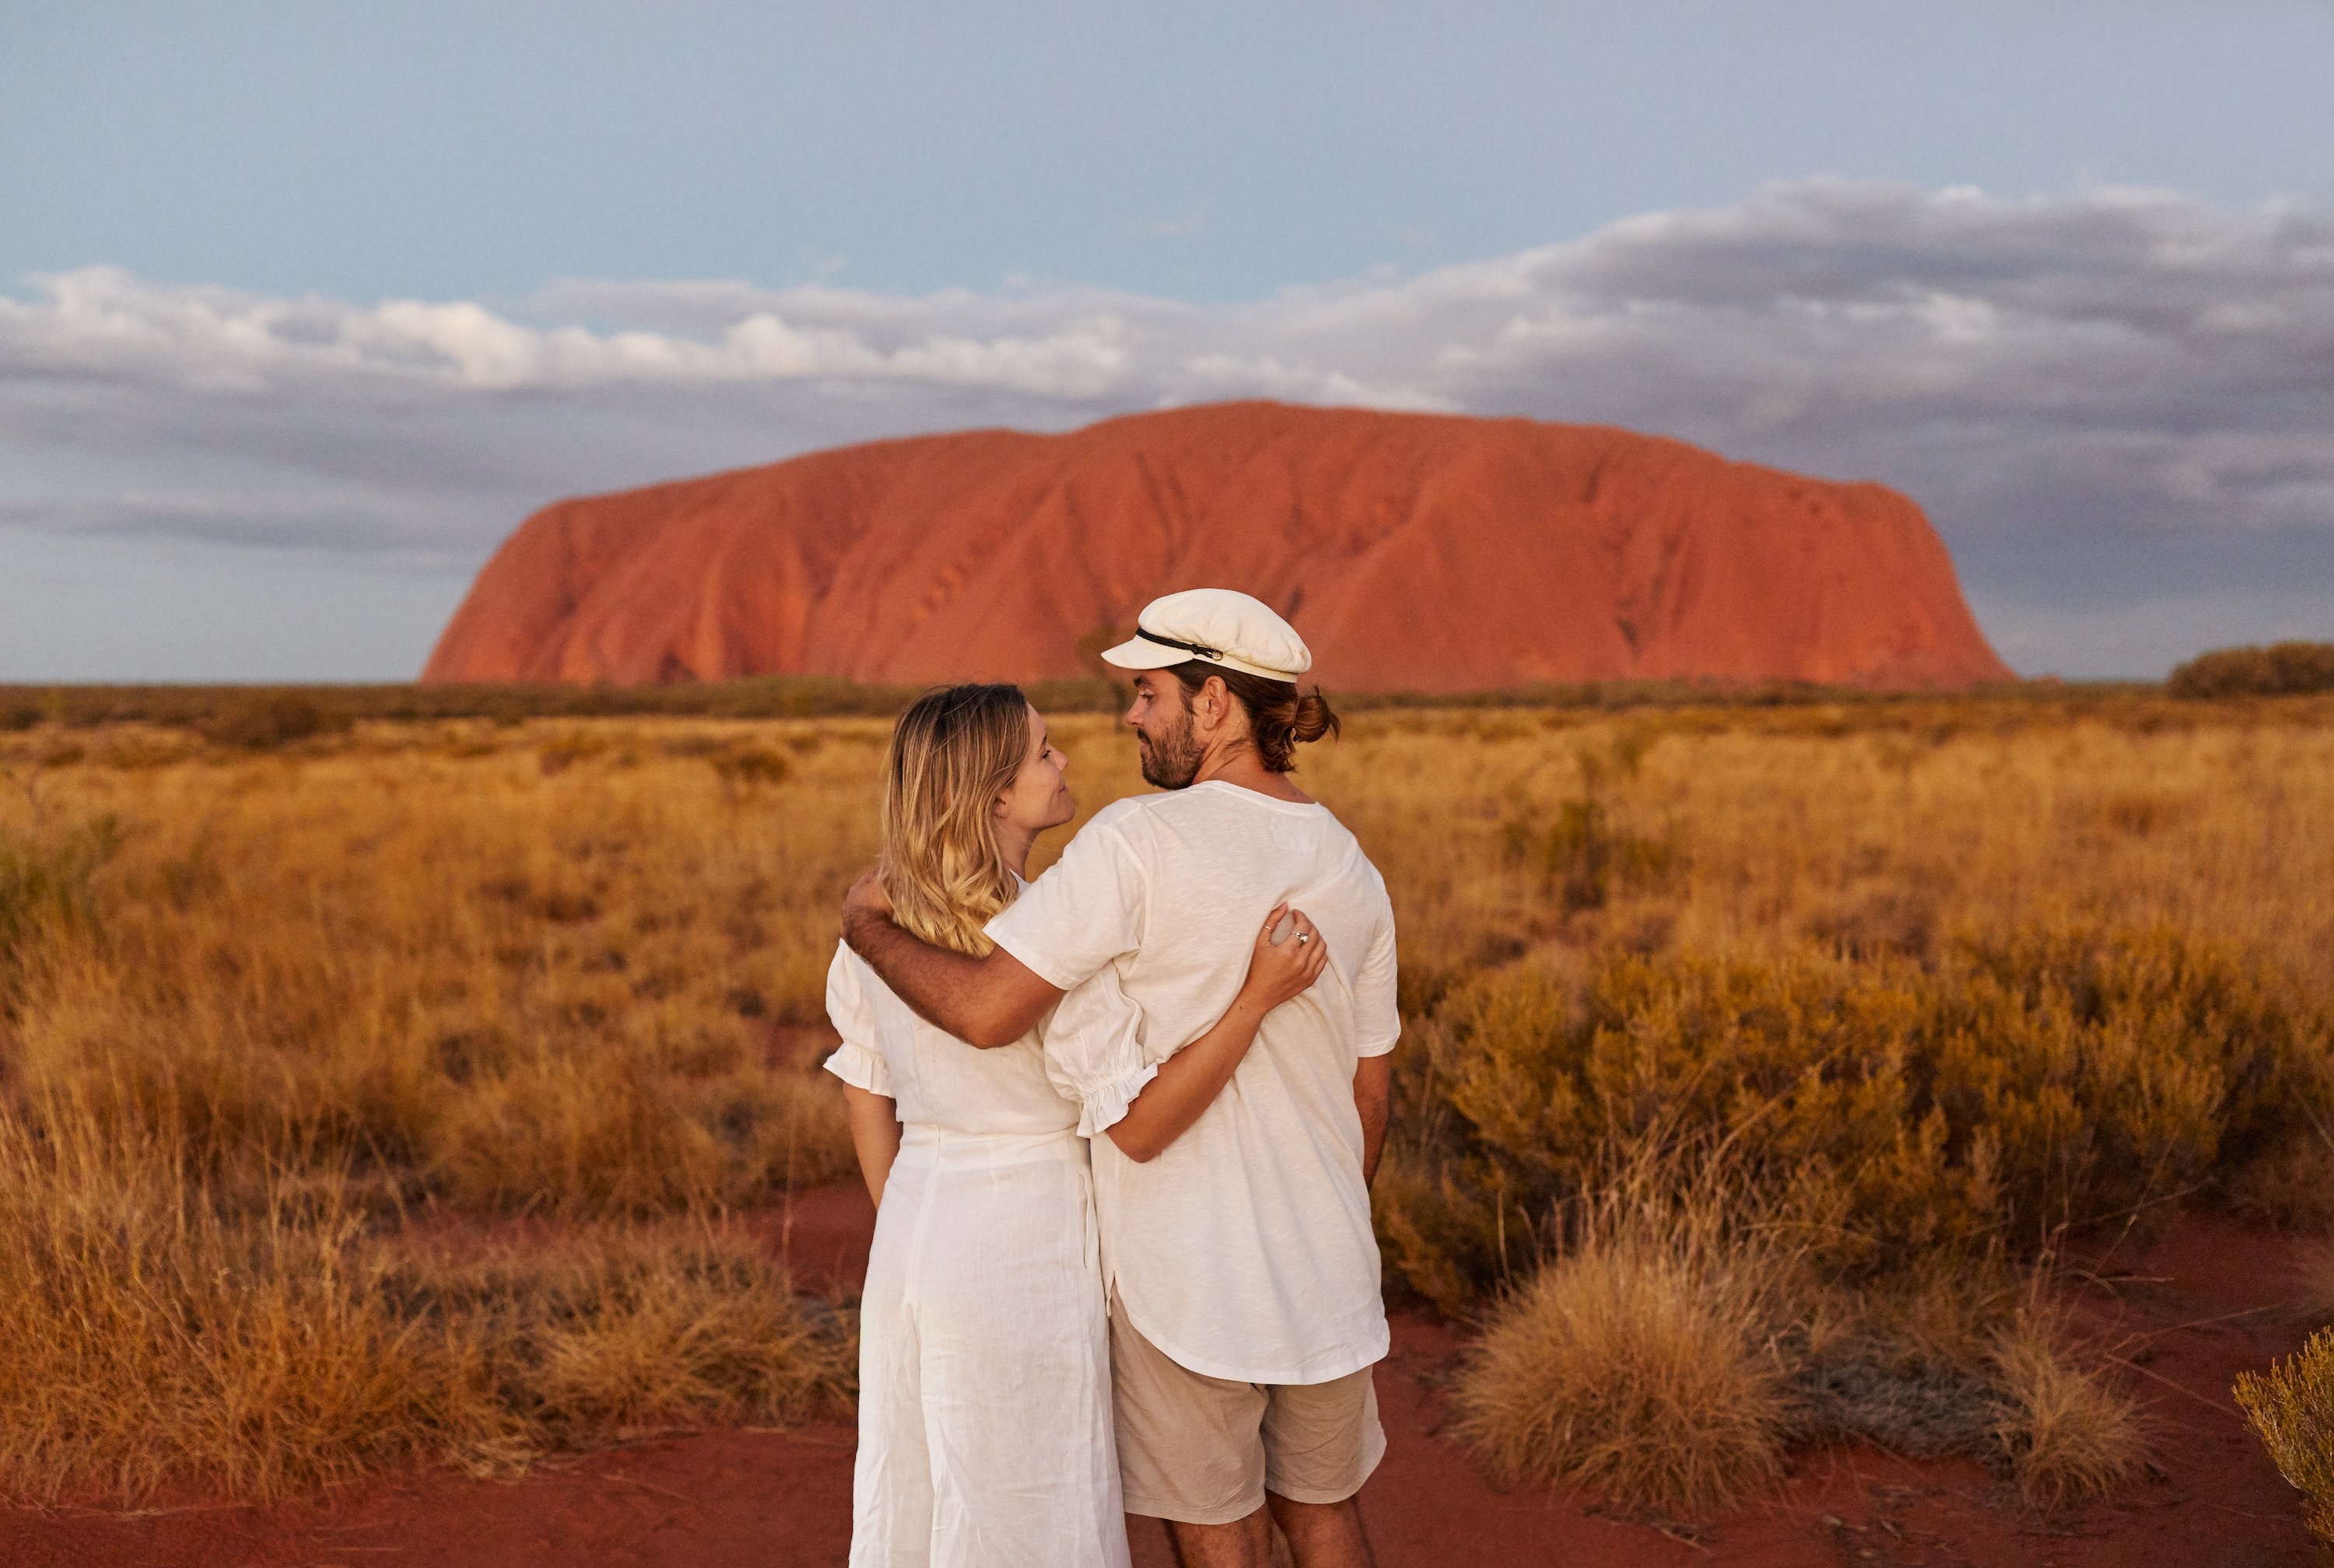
x,y
875,1134
1189,1081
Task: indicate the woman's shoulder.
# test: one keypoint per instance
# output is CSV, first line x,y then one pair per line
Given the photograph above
x,y
856,994
858,998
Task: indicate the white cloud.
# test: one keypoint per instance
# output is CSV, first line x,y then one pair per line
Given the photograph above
x,y
2063,380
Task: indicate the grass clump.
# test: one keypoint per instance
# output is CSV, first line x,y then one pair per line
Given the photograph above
x,y
158,1333
607,1332
1683,1336
152,1336
2067,1433
1643,1363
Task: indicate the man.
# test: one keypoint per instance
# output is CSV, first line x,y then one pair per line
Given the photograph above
x,y
1243,1275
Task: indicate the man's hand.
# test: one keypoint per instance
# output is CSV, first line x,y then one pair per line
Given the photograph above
x,y
867,894
866,908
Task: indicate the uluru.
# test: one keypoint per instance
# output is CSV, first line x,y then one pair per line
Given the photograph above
x,y
1415,551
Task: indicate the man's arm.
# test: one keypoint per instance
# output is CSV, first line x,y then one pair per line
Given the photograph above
x,y
985,1001
1374,1098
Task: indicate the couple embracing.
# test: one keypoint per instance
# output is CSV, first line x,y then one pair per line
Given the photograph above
x,y
1120,1124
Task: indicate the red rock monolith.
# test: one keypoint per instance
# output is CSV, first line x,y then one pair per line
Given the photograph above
x,y
1414,552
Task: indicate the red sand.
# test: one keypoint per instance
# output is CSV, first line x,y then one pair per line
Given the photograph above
x,y
783,1499
1415,551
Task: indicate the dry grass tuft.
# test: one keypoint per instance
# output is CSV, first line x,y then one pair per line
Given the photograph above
x,y
1618,1369
608,1332
1645,1363
1907,1364
151,1336
1687,1337
2068,1433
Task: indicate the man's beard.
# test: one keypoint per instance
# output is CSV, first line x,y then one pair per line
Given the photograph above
x,y
1170,761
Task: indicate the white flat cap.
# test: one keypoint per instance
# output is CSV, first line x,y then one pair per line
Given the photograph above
x,y
1217,626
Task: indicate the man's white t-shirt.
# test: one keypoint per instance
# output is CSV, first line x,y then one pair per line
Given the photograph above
x,y
1244,1250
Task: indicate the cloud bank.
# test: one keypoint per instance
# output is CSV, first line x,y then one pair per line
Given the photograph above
x,y
2109,401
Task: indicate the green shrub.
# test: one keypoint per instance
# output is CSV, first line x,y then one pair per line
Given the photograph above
x,y
2281,669
2047,1079
2290,1407
265,720
1586,855
750,767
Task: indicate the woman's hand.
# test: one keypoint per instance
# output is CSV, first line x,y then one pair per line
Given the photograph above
x,y
1277,971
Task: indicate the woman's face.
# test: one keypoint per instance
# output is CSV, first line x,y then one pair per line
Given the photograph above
x,y
1039,798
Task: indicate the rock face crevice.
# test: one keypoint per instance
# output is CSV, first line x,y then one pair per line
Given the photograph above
x,y
1427,553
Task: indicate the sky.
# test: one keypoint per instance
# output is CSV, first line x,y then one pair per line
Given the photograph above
x,y
304,307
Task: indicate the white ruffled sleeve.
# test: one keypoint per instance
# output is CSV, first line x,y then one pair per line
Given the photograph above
x,y
859,1062
1094,1052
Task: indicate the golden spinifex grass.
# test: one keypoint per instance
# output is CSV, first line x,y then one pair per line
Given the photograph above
x,y
151,1333
159,1331
2066,1431
450,1041
1687,1330
1649,1360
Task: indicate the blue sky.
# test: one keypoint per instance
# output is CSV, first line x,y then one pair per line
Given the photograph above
x,y
302,307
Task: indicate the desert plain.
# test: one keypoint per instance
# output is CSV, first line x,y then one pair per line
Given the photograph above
x,y
1827,1129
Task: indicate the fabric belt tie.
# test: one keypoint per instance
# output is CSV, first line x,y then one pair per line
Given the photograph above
x,y
922,1144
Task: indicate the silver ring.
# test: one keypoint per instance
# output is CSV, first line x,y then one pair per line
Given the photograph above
x,y
1302,938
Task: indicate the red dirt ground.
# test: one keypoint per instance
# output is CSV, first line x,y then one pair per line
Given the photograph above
x,y
2188,1315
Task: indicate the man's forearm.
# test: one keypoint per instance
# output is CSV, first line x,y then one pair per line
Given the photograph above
x,y
986,1002
937,983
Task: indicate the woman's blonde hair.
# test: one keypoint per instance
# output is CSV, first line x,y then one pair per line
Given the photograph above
x,y
954,753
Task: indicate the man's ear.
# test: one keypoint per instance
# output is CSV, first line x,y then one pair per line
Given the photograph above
x,y
1217,699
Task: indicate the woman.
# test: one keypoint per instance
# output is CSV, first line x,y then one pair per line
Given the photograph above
x,y
984,1413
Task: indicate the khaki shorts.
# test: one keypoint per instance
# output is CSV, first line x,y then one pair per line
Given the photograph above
x,y
1204,1450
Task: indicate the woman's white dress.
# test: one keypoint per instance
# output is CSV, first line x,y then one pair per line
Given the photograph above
x,y
984,1353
